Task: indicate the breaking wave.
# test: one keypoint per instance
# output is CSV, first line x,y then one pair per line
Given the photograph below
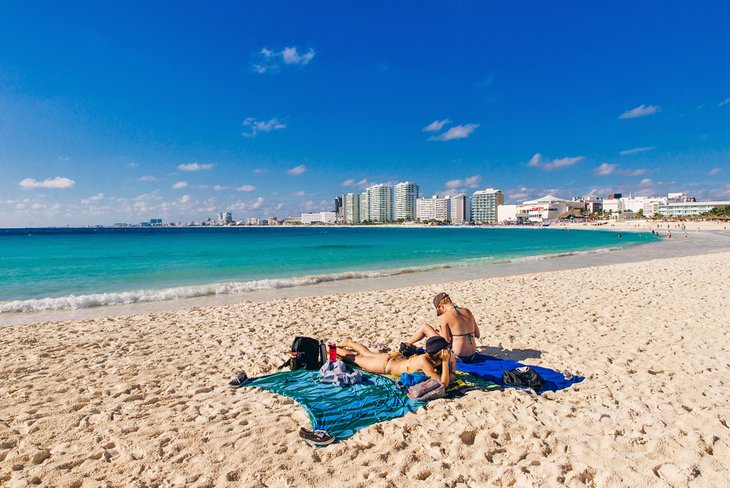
x,y
75,302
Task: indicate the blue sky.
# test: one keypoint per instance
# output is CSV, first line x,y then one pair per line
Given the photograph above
x,y
128,111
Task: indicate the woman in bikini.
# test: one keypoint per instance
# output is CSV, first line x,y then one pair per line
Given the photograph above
x,y
437,363
458,327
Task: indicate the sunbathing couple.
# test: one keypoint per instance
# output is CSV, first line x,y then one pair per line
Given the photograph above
x,y
458,331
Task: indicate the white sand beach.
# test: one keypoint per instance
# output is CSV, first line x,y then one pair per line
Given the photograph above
x,y
143,400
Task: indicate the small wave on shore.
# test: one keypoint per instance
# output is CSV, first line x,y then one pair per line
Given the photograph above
x,y
75,302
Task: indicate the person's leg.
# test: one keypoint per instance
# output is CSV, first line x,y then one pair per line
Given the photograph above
x,y
424,331
373,362
358,348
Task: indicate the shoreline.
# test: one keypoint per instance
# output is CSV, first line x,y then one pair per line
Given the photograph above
x,y
707,241
143,399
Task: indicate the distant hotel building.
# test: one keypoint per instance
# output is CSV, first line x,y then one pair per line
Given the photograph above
x,y
319,218
686,209
364,207
404,201
484,205
340,208
352,208
460,209
225,218
380,203
434,208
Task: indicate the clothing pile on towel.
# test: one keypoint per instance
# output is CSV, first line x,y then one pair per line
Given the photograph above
x,y
339,374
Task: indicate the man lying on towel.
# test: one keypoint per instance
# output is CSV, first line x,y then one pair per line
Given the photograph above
x,y
438,362
457,326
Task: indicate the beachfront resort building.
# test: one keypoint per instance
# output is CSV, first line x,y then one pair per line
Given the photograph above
x,y
380,203
339,208
404,201
225,218
319,218
507,214
352,208
484,205
460,209
549,208
434,208
687,209
364,207
648,206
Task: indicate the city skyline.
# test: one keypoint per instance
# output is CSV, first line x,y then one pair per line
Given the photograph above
x,y
254,110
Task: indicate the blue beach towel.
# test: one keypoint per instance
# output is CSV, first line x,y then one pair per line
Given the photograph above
x,y
341,411
491,369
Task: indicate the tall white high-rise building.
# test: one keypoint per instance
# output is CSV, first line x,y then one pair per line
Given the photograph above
x,y
380,203
404,201
484,205
460,209
433,208
364,207
352,208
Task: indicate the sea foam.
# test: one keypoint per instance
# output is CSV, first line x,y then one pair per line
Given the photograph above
x,y
75,302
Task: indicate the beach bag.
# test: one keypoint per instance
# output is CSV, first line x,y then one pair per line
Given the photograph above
x,y
427,390
306,353
523,377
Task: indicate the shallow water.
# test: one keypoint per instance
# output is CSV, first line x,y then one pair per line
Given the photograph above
x,y
57,269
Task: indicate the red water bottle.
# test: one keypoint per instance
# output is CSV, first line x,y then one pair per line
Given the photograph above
x,y
333,352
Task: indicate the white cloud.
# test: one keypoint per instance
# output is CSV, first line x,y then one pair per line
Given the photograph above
x,y
64,158
272,61
291,56
632,172
246,188
297,170
258,171
255,126
470,182
436,125
724,102
185,199
219,188
95,198
640,111
713,171
456,132
132,165
636,150
537,161
59,182
299,194
605,169
362,184
646,181
180,185
195,167
243,206
147,178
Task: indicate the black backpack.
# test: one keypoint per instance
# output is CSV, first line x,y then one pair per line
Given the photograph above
x,y
523,377
306,353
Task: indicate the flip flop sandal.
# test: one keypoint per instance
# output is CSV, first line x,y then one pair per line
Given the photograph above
x,y
239,380
316,437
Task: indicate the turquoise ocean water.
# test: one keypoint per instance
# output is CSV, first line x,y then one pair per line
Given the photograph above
x,y
56,269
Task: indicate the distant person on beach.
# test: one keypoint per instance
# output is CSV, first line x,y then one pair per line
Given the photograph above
x,y
437,363
457,326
